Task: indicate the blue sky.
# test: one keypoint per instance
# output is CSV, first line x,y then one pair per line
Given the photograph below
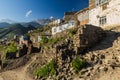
x,y
27,10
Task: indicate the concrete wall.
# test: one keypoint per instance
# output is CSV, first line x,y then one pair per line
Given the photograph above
x,y
112,13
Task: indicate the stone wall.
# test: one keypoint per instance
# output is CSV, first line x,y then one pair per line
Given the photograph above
x,y
87,36
68,16
83,16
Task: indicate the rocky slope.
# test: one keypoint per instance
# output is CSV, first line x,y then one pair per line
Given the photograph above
x,y
19,73
103,61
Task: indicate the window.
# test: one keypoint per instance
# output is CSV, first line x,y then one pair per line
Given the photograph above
x,y
60,28
99,2
103,20
54,29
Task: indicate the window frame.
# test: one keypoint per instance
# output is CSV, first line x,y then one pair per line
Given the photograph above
x,y
101,2
103,20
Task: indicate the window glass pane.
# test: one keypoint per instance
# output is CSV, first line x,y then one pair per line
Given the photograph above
x,y
102,20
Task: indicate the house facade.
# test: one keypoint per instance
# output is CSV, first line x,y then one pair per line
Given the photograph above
x,y
104,13
63,27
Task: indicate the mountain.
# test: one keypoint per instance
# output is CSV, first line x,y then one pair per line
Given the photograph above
x,y
43,21
4,24
7,21
15,29
32,23
37,23
9,28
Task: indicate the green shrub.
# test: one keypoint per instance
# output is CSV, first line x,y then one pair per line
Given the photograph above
x,y
11,49
78,64
53,40
48,69
56,40
73,32
44,40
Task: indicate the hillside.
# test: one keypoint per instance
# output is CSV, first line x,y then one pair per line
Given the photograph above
x,y
9,30
103,61
15,29
32,23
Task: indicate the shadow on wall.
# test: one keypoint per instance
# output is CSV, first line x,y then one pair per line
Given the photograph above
x,y
36,50
93,38
106,42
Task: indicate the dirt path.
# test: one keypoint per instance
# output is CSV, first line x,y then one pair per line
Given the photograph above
x,y
17,74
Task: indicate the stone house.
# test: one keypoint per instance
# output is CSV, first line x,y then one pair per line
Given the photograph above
x,y
68,16
24,40
82,17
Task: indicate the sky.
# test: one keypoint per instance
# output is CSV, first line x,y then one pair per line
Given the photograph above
x,y
27,10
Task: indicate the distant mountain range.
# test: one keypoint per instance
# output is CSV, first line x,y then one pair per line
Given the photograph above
x,y
35,23
7,21
9,28
4,24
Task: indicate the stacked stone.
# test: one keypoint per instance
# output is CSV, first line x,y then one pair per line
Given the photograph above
x,y
87,36
0,63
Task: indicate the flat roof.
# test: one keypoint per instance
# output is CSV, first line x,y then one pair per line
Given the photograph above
x,y
83,10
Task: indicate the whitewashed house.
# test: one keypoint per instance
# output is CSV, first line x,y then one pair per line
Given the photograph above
x,y
63,27
104,13
55,22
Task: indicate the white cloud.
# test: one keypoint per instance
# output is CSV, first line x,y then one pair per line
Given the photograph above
x,y
28,13
51,17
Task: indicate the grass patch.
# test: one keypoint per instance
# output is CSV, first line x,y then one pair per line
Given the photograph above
x,y
47,41
48,69
78,64
54,40
2,48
